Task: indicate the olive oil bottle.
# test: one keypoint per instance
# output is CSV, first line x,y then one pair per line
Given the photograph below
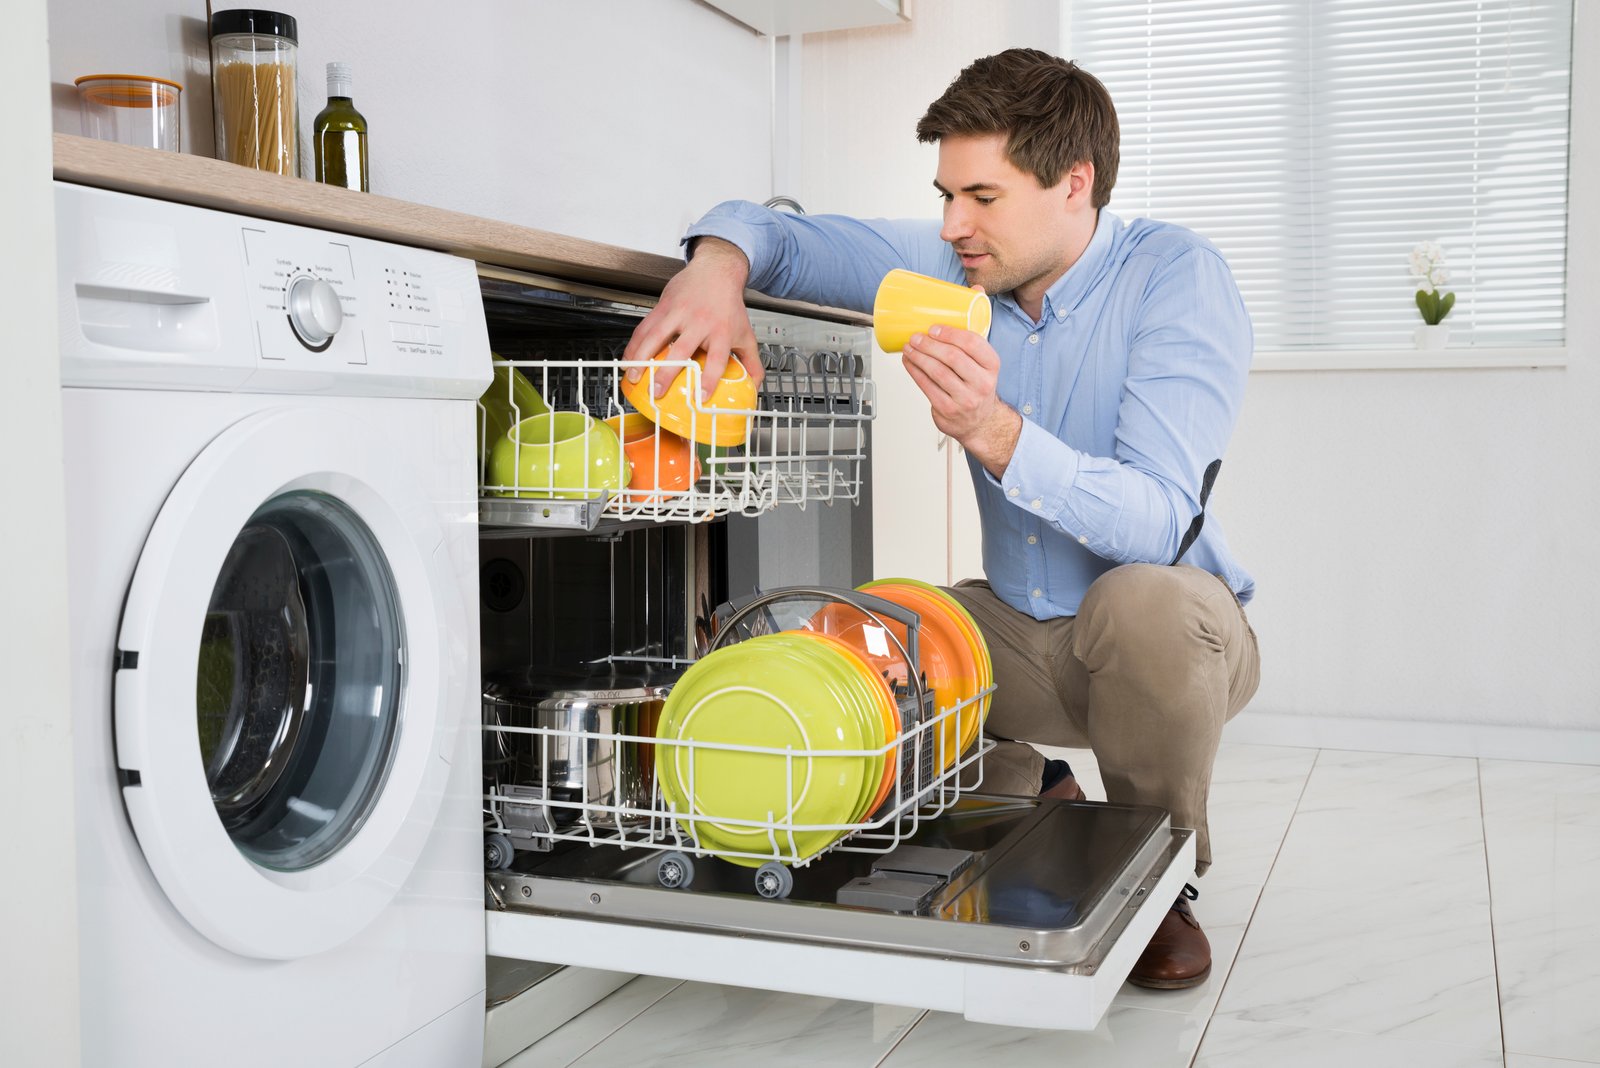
x,y
339,135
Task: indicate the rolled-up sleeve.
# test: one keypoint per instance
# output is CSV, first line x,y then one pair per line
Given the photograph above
x,y
825,259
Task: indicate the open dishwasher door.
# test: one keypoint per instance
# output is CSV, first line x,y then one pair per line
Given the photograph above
x,y
1015,911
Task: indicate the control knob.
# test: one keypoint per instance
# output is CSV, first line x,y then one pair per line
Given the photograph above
x,y
314,311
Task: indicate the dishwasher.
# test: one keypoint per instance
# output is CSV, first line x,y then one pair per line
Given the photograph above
x,y
1008,910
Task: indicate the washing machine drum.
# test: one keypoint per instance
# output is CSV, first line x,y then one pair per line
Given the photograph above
x,y
297,681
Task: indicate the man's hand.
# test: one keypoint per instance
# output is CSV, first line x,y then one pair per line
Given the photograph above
x,y
701,307
957,371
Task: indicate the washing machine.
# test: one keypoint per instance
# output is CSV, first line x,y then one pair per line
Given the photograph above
x,y
272,552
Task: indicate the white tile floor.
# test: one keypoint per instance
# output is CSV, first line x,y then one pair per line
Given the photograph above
x,y
1370,909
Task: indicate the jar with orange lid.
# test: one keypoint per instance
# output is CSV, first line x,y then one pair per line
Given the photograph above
x,y
131,109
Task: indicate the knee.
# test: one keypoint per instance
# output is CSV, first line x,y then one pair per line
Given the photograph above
x,y
1145,607
1138,590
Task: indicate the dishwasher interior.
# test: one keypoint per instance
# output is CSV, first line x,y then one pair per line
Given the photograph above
x,y
592,609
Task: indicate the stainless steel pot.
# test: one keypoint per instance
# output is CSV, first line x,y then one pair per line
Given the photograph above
x,y
578,754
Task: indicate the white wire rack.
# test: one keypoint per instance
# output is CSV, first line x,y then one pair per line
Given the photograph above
x,y
804,441
535,808
536,813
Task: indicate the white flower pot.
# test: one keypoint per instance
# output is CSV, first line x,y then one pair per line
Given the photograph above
x,y
1432,337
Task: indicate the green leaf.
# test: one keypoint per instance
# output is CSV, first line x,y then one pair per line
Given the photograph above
x,y
1445,306
1427,304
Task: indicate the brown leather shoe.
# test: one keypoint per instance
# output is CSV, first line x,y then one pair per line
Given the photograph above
x,y
1067,790
1178,956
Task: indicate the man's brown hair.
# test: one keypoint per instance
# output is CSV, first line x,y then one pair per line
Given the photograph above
x,y
1053,113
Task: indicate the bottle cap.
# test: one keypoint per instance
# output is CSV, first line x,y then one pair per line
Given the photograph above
x,y
339,81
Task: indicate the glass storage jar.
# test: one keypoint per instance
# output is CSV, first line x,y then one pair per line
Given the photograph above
x,y
253,55
131,109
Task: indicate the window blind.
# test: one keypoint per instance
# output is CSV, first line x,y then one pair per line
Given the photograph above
x,y
1317,142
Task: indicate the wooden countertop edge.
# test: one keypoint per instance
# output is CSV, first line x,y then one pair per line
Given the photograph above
x,y
210,183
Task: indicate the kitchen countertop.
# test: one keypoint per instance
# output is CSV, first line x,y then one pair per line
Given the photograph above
x,y
210,183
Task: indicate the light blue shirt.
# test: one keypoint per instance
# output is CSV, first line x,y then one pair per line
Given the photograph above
x,y
1129,385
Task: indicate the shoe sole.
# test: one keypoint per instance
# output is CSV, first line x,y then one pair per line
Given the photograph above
x,y
1171,984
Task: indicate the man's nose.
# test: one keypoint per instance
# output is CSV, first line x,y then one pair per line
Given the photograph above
x,y
957,224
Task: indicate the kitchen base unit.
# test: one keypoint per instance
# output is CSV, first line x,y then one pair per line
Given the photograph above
x,y
1013,911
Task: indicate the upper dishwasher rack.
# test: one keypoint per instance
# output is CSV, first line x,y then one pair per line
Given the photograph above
x,y
807,439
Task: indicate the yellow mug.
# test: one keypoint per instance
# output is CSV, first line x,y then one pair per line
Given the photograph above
x,y
909,303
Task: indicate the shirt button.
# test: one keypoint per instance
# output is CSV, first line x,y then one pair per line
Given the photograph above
x,y
1038,502
1037,592
1083,539
1027,409
1012,492
1033,539
1033,339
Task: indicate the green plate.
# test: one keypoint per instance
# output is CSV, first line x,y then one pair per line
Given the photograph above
x,y
761,693
862,700
852,690
788,707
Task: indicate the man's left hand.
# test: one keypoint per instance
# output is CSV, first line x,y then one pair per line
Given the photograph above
x,y
957,370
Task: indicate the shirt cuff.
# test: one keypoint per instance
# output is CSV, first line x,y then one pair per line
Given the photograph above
x,y
1041,473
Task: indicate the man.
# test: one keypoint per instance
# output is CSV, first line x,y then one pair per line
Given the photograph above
x,y
1105,392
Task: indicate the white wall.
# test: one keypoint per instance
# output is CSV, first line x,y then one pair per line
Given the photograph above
x,y
619,121
1424,541
38,892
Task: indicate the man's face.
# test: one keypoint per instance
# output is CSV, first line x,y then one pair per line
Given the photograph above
x,y
1010,232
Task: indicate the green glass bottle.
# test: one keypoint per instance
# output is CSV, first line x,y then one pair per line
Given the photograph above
x,y
339,136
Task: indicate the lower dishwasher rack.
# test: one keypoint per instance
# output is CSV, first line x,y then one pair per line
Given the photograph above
x,y
1039,928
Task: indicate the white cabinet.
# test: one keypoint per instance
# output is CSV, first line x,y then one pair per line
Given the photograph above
x,y
779,18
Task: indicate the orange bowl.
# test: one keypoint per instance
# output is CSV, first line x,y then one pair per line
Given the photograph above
x,y
661,461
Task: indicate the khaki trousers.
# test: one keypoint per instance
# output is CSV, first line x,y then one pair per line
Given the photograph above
x,y
1156,661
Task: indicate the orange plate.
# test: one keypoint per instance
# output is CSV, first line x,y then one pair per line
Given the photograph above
x,y
947,660
970,725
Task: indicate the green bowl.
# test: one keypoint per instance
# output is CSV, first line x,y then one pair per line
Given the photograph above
x,y
558,454
509,399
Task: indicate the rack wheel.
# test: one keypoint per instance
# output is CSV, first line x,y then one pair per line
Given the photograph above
x,y
674,870
497,852
774,881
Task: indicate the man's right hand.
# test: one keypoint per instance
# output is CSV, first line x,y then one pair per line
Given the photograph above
x,y
702,307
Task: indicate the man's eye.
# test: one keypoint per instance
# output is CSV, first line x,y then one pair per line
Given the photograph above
x,y
985,200
946,197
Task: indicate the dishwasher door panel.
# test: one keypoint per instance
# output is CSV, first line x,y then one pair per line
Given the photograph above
x,y
1039,930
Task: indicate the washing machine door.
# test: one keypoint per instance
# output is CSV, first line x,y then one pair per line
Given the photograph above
x,y
283,695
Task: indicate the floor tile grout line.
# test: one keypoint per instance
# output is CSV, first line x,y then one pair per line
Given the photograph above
x,y
1494,942
923,1015
1245,934
652,1003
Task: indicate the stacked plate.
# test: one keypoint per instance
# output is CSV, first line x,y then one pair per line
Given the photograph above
x,y
953,657
777,746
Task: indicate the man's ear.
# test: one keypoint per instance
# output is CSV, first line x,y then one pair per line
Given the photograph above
x,y
1079,184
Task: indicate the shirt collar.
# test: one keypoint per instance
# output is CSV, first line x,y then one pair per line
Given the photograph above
x,y
1069,289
